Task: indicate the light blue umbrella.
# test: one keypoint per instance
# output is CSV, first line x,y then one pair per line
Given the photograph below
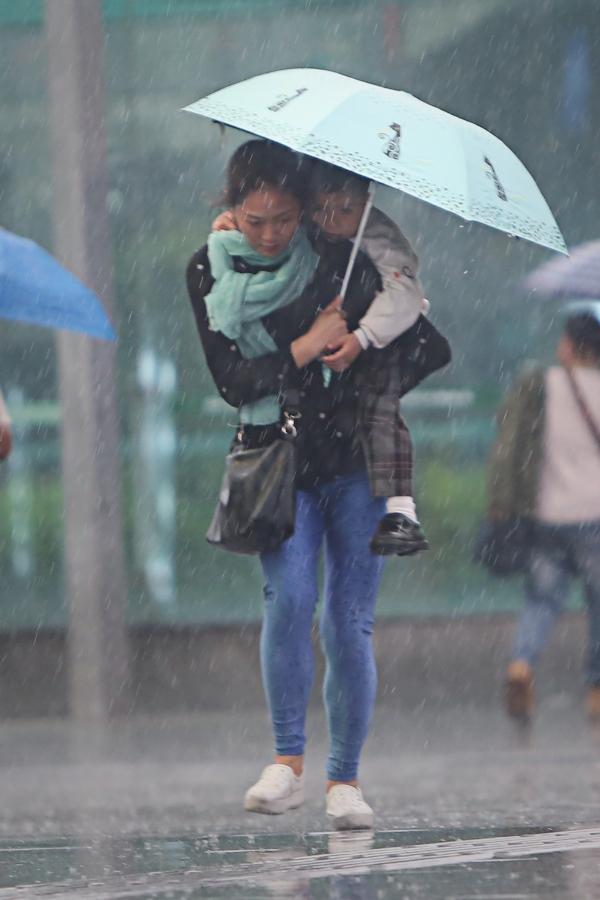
x,y
35,288
392,138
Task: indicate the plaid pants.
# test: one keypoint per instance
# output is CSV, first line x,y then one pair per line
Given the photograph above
x,y
382,377
386,444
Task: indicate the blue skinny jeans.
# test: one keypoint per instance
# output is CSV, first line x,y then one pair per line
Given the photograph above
x,y
344,514
561,553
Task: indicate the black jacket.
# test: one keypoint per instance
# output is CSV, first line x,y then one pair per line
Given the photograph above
x,y
327,442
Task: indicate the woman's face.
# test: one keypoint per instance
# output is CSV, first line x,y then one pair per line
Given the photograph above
x,y
268,219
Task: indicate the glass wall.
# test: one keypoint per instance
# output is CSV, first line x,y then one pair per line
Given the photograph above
x,y
525,69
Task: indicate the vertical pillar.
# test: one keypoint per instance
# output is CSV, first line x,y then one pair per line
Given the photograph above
x,y
95,568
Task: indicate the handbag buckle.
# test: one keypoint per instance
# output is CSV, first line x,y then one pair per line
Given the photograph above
x,y
288,429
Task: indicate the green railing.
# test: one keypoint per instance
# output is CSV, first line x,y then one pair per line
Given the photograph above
x,y
212,586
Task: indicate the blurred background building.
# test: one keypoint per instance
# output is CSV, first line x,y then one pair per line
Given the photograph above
x,y
528,70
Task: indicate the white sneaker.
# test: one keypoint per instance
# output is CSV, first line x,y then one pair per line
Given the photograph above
x,y
276,791
345,805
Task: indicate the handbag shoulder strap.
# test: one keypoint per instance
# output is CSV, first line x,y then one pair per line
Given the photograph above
x,y
581,403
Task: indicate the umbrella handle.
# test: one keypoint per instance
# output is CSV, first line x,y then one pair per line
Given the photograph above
x,y
358,239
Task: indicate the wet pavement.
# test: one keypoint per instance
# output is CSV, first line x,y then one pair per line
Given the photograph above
x,y
467,807
356,866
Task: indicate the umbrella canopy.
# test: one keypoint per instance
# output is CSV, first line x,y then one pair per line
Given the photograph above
x,y
577,276
587,307
392,138
35,288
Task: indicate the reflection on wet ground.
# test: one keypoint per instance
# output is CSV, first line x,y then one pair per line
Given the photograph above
x,y
495,864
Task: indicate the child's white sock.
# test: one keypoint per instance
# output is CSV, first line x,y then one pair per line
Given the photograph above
x,y
404,505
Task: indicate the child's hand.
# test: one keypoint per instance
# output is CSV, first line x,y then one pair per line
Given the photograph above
x,y
344,355
225,222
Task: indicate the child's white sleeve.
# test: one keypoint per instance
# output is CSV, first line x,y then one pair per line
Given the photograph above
x,y
398,306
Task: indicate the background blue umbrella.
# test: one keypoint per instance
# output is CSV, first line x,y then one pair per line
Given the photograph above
x,y
35,288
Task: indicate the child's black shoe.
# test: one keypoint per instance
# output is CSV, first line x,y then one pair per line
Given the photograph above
x,y
399,535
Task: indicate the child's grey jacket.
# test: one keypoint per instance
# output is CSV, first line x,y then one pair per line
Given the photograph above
x,y
398,306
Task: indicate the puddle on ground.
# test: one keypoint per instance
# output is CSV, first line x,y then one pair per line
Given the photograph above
x,y
495,864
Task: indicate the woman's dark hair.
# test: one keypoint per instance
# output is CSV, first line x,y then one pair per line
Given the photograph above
x,y
328,179
583,330
257,165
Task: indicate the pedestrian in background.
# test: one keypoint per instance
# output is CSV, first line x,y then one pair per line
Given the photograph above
x,y
545,469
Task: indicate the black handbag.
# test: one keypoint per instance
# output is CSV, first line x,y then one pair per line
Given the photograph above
x,y
504,547
257,501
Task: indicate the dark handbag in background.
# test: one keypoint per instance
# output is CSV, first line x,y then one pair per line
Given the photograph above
x,y
504,547
257,501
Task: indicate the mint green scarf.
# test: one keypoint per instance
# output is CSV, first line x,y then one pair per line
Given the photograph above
x,y
239,300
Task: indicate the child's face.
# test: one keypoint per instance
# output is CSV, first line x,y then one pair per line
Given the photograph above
x,y
337,214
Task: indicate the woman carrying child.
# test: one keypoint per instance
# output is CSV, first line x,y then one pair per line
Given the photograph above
x,y
257,363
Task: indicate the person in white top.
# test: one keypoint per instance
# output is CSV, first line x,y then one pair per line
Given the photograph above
x,y
559,458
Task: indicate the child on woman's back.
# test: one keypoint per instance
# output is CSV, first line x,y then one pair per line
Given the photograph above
x,y
338,203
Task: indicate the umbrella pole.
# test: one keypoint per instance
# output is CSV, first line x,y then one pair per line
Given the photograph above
x,y
358,239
